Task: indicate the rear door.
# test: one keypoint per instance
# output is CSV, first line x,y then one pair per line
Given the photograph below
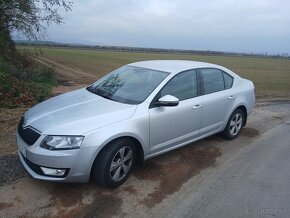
x,y
218,98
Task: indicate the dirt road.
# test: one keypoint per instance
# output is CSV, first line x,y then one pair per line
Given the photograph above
x,y
254,182
154,190
165,186
68,73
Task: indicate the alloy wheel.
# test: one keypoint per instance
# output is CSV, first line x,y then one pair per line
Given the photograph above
x,y
236,124
121,163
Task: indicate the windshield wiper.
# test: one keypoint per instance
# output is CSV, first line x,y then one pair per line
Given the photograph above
x,y
89,88
104,96
99,92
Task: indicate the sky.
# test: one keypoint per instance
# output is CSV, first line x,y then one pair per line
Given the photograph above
x,y
252,26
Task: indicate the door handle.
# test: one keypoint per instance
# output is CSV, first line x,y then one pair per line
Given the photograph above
x,y
196,106
231,97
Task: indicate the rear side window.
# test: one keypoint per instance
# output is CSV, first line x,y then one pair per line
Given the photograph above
x,y
213,80
228,80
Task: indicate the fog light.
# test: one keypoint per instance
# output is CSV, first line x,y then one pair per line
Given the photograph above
x,y
52,172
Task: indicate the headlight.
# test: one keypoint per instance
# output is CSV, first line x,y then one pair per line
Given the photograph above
x,y
61,142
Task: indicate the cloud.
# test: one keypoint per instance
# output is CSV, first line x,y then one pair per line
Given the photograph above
x,y
228,25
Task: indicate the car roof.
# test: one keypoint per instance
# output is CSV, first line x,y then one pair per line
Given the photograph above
x,y
173,66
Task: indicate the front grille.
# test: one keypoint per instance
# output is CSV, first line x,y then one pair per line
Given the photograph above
x,y
28,135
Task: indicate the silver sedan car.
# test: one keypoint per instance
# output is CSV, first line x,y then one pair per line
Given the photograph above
x,y
132,114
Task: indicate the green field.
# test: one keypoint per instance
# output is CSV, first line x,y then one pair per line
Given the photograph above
x,y
271,76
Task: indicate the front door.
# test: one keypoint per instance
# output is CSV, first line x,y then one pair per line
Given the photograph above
x,y
171,126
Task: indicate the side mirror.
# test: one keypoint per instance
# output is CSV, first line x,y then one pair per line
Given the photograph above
x,y
167,101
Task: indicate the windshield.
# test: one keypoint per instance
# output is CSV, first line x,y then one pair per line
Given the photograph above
x,y
128,84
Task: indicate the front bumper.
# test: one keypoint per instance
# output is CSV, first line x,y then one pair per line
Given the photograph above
x,y
77,163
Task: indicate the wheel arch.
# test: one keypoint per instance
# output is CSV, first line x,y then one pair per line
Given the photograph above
x,y
139,149
244,109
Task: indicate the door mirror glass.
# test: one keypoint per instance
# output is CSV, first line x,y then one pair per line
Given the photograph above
x,y
167,101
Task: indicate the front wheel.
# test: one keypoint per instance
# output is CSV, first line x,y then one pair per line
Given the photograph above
x,y
114,165
234,125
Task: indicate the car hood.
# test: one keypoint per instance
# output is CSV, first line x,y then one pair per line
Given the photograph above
x,y
76,113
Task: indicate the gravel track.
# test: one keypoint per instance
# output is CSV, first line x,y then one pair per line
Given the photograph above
x,y
10,169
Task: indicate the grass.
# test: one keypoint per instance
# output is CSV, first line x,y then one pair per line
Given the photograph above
x,y
24,82
271,76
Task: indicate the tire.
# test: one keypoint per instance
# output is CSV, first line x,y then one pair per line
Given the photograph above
x,y
114,164
234,125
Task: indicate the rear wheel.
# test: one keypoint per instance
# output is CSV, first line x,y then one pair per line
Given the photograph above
x,y
114,165
234,125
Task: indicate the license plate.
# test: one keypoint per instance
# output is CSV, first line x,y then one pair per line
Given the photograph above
x,y
22,149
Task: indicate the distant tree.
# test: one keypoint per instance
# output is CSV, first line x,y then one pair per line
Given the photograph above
x,y
28,17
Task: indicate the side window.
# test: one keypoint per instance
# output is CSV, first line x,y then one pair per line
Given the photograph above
x,y
228,80
183,86
213,80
